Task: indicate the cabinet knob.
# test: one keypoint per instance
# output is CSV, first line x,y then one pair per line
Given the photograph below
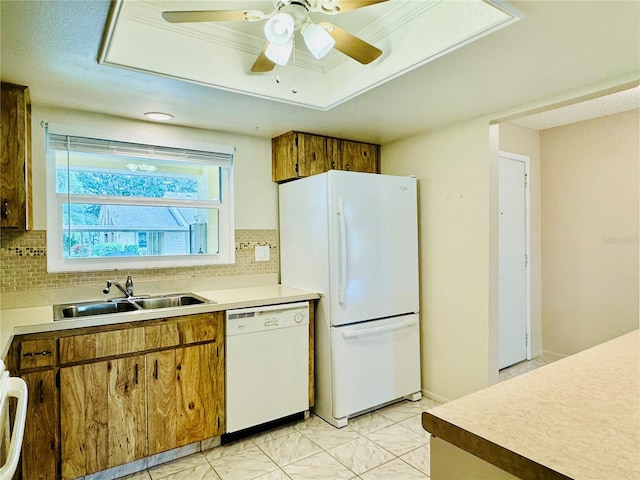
x,y
5,208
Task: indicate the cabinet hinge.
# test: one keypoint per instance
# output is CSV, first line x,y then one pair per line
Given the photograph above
x,y
526,261
295,168
218,423
58,379
526,180
217,352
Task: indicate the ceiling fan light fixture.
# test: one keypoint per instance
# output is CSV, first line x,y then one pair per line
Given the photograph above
x,y
279,54
279,28
318,40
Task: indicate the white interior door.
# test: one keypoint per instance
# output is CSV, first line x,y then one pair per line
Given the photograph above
x,y
513,296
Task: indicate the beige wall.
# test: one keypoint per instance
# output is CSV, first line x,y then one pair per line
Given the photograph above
x,y
452,165
525,141
255,194
589,231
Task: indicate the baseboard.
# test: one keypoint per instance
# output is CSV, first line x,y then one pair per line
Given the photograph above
x,y
554,355
435,396
536,354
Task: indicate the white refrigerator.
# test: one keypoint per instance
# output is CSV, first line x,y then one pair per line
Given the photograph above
x,y
353,238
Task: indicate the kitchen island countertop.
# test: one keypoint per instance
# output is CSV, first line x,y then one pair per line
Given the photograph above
x,y
19,321
577,418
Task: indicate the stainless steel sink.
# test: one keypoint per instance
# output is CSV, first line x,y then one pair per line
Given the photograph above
x,y
85,309
100,307
166,301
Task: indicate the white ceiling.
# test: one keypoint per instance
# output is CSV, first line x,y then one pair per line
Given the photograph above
x,y
558,47
601,106
409,33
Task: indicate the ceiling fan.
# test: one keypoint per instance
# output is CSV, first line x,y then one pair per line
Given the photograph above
x,y
288,17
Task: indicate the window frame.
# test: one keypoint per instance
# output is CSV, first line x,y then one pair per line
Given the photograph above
x,y
58,263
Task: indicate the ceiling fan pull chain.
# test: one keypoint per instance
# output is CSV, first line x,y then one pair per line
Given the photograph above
x,y
294,89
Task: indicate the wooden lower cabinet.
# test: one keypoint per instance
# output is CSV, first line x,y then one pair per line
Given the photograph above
x,y
185,391
102,415
40,442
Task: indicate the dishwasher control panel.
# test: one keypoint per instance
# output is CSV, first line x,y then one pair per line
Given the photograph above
x,y
270,317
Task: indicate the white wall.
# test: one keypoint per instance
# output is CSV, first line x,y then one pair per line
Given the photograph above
x,y
255,194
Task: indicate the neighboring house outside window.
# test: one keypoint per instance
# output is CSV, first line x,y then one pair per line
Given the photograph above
x,y
123,205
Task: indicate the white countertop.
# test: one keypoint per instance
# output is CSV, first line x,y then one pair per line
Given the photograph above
x,y
18,321
576,418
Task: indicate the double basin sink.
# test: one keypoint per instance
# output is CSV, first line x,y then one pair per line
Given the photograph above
x,y
122,305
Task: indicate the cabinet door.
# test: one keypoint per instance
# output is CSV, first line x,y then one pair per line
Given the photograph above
x,y
15,157
312,154
185,396
284,159
359,157
102,415
40,442
297,154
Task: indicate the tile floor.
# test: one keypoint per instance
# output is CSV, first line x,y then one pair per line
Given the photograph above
x,y
528,365
387,444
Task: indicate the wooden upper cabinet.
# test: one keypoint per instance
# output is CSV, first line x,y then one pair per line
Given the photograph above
x,y
359,157
297,155
15,157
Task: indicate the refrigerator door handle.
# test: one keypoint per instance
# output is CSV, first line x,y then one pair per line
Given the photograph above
x,y
342,284
379,330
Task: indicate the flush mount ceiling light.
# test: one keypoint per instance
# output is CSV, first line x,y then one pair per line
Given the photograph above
x,y
288,17
159,116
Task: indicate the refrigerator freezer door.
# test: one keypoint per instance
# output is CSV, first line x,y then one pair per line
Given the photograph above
x,y
373,236
374,363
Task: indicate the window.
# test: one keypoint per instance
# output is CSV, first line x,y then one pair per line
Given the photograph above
x,y
114,204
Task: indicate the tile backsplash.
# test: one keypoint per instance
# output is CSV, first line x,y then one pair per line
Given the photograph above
x,y
23,263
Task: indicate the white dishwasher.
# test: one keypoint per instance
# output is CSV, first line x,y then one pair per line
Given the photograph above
x,y
267,372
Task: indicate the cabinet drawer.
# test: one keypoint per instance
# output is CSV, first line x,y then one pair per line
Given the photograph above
x,y
161,336
38,353
104,344
201,328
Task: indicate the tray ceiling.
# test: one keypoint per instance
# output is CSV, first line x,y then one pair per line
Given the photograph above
x,y
409,32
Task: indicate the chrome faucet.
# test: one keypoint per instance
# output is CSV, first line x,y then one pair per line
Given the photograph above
x,y
128,291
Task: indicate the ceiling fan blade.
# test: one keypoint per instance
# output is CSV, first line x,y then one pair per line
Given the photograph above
x,y
351,45
211,16
333,7
262,63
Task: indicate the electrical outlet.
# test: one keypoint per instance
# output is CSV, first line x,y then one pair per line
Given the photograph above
x,y
262,253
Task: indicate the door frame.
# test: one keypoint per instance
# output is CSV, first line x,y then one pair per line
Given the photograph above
x,y
527,206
